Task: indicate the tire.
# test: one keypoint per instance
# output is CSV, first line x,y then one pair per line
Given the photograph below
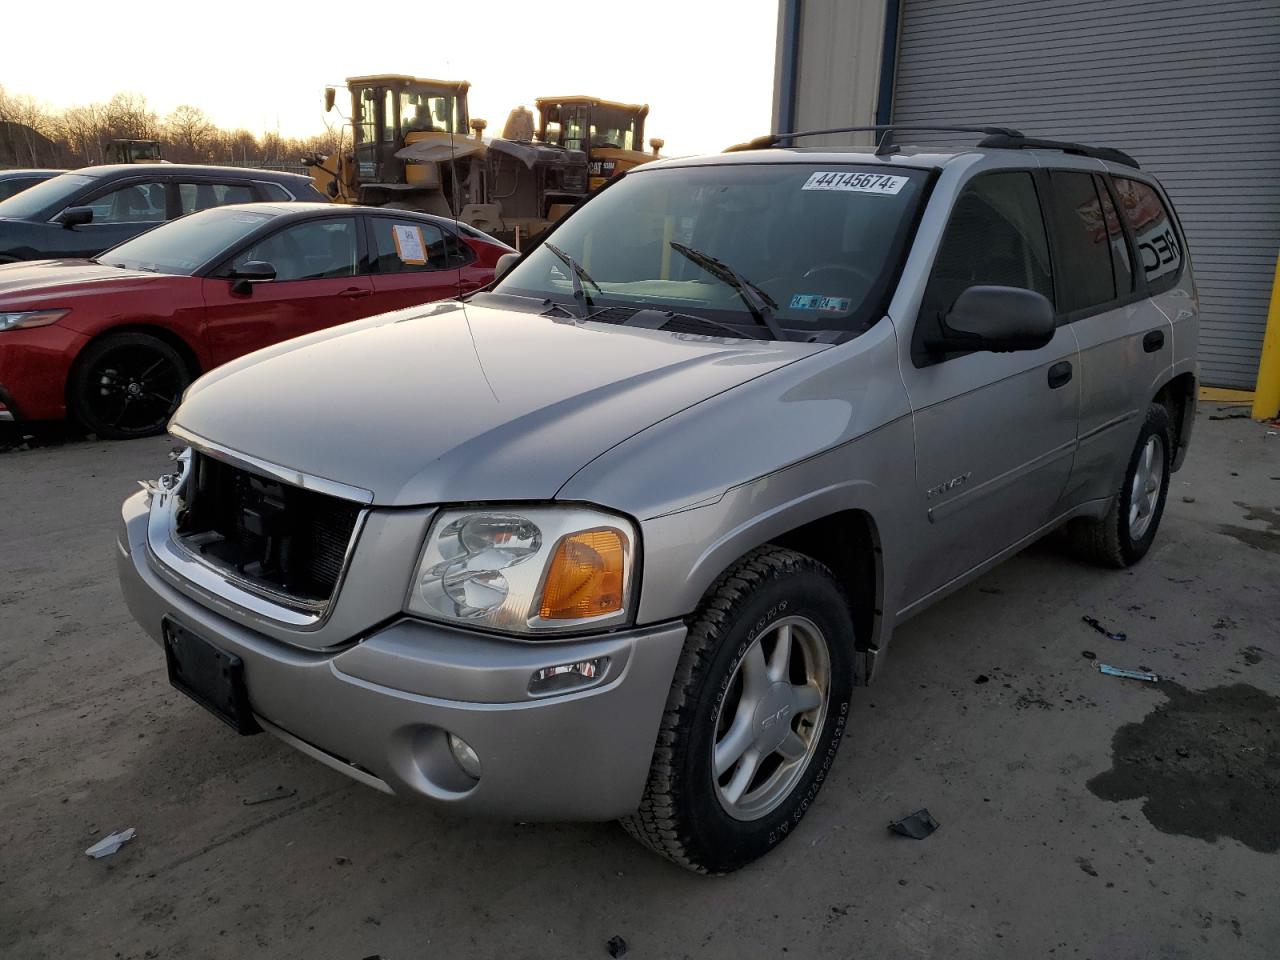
x,y
1123,537
127,385
688,814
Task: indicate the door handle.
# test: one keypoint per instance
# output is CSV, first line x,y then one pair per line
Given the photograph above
x,y
1153,341
355,293
1059,374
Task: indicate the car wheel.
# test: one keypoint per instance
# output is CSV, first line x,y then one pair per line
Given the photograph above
x,y
755,714
127,385
1125,534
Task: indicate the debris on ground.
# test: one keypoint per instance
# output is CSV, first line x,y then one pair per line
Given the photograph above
x,y
1234,415
917,826
111,843
279,793
1111,671
1088,655
616,946
1188,499
981,678
1093,622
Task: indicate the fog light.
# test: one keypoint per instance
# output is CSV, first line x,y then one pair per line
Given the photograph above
x,y
568,676
466,756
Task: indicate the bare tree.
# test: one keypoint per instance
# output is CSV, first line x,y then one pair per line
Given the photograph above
x,y
129,118
190,133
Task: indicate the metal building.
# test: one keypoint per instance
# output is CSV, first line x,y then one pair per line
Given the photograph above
x,y
1190,88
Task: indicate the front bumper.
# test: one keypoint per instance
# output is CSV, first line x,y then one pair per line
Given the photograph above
x,y
379,708
34,365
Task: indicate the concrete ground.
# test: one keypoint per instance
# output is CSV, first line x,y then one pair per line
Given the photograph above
x,y
1029,860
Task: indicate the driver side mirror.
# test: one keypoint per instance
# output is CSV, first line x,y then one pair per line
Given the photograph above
x,y
505,263
75,217
998,319
249,273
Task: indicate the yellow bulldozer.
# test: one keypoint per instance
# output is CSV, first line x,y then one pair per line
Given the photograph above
x,y
610,134
414,146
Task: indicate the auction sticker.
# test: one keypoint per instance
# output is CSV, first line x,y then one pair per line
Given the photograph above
x,y
855,182
410,247
814,301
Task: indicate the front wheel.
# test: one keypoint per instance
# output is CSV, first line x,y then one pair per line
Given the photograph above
x,y
127,385
755,715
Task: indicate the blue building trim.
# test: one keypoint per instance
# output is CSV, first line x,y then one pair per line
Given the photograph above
x,y
888,62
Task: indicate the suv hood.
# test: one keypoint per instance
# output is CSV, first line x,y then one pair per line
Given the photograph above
x,y
462,403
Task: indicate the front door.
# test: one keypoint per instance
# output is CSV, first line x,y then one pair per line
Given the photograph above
x,y
319,283
414,261
995,432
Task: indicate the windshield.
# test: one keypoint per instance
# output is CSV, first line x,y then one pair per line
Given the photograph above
x,y
32,201
427,111
823,241
185,245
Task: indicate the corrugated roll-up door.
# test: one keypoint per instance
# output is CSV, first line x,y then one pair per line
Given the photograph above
x,y
1191,89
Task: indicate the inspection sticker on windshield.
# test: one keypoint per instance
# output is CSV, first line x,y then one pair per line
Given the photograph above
x,y
855,182
814,301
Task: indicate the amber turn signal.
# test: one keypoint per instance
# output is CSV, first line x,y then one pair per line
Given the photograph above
x,y
586,576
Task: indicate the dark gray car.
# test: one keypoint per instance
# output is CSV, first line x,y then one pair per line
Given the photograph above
x,y
13,182
81,213
616,538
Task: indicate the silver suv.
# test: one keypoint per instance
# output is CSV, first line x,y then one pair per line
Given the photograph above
x,y
616,537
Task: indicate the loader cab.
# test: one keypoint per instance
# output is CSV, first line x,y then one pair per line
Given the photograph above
x,y
610,134
387,112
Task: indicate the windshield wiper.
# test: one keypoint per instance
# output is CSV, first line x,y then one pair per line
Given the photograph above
x,y
758,302
576,276
669,315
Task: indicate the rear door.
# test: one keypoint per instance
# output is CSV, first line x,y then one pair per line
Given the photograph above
x,y
995,432
414,261
1126,342
320,281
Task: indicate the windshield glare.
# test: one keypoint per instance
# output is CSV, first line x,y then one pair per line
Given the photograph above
x,y
185,245
822,240
33,200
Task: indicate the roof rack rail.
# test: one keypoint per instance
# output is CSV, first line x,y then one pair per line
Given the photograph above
x,y
1005,138
886,144
1079,149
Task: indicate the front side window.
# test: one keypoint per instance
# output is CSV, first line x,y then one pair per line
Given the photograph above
x,y
136,203
1080,234
822,242
193,197
410,246
995,237
318,250
1159,249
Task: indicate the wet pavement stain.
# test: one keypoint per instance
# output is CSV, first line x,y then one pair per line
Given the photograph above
x,y
1268,539
1207,764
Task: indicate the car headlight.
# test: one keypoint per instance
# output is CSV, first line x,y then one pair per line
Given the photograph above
x,y
31,318
528,570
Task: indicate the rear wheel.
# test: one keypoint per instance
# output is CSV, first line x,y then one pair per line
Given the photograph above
x,y
1125,534
756,712
127,385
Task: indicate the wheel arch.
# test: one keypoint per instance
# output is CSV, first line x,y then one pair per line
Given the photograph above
x,y
1178,396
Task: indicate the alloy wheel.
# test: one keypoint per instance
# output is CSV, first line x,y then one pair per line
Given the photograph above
x,y
1148,480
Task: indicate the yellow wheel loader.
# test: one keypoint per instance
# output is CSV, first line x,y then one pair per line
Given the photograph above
x,y
610,134
414,146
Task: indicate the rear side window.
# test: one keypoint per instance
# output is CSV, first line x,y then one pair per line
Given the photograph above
x,y
1149,220
410,246
1084,255
205,196
996,237
273,191
1120,265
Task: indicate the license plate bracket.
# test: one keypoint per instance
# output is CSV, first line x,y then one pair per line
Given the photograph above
x,y
209,675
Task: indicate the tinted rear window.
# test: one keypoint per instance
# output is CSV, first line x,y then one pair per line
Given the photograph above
x,y
1153,232
1084,255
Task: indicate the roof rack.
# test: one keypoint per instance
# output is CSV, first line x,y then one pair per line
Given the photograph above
x,y
1005,138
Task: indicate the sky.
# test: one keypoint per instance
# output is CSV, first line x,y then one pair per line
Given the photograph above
x,y
705,67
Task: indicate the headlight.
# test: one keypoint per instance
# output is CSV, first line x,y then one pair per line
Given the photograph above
x,y
32,318
526,569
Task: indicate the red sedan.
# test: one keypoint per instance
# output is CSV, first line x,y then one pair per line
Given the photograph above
x,y
114,341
